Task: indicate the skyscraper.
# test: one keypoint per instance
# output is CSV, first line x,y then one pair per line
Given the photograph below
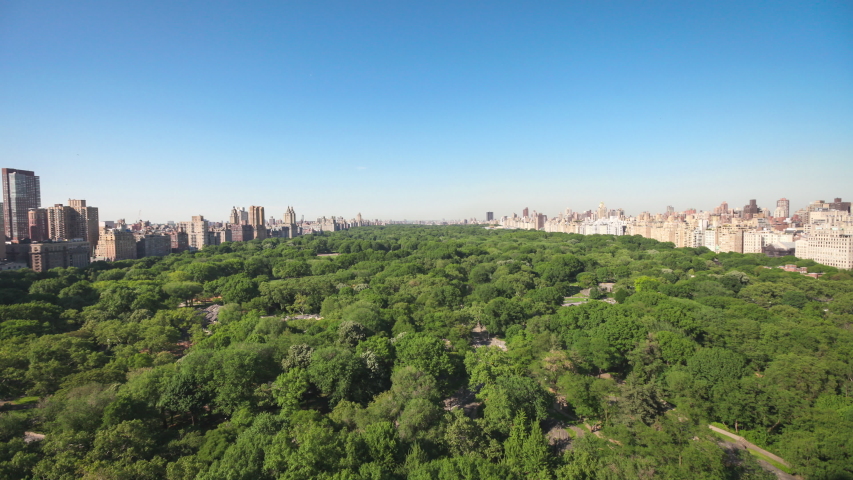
x,y
290,216
783,208
234,218
256,221
602,211
256,215
38,224
85,222
21,192
289,223
196,231
60,222
490,216
750,210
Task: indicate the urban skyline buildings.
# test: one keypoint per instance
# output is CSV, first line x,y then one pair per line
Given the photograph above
x,y
21,192
821,230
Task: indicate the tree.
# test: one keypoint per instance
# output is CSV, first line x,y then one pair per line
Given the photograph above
x,y
238,289
462,435
289,388
425,353
501,313
337,373
512,395
646,284
382,443
185,291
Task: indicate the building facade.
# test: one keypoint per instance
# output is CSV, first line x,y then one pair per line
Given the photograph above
x,y
242,233
21,192
196,230
180,241
42,257
153,245
37,218
115,245
833,247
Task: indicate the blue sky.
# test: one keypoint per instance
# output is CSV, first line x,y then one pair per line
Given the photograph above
x,y
426,110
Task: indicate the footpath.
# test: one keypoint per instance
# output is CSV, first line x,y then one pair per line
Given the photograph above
x,y
746,444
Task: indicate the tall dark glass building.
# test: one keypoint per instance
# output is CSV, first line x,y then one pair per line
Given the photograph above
x,y
21,192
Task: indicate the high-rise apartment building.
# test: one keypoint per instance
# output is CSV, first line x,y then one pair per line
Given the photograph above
x,y
256,216
490,216
289,228
180,241
37,218
114,245
837,204
289,216
783,208
59,222
525,212
85,222
751,210
21,192
257,222
242,233
74,221
153,245
196,230
42,257
833,247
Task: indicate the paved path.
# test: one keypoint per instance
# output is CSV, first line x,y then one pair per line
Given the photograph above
x,y
744,443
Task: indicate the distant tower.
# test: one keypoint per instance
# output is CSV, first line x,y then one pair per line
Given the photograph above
x,y
38,224
783,208
750,210
21,192
602,211
256,215
289,216
490,216
525,212
85,222
234,218
60,223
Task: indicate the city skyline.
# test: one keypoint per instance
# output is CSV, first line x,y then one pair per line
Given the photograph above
x,y
254,213
426,111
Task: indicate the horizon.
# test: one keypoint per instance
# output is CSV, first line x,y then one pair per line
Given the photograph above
x,y
418,112
311,218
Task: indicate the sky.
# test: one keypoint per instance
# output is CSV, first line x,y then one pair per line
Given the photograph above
x,y
426,110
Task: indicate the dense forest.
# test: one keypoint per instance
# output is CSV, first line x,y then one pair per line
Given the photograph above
x,y
361,355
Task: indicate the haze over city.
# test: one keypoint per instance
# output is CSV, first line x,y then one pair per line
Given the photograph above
x,y
426,110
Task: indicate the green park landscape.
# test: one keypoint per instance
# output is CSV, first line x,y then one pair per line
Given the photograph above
x,y
428,353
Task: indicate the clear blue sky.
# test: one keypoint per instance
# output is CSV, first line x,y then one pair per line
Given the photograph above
x,y
426,109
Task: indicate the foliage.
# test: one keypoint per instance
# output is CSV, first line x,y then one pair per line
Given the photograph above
x,y
134,382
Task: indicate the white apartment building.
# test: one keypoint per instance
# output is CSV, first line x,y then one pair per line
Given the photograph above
x,y
754,241
833,247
